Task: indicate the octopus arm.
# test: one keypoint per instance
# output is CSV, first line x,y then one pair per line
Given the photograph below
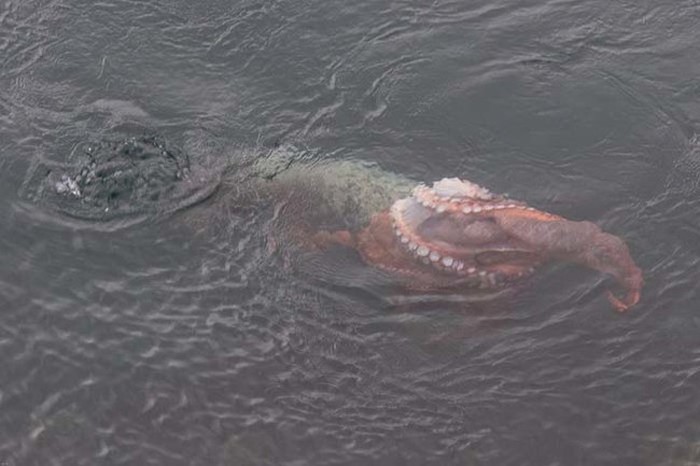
x,y
583,243
324,239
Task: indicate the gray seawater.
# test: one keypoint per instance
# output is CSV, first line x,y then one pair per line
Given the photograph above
x,y
187,341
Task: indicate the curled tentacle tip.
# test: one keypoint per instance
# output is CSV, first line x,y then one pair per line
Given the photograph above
x,y
624,304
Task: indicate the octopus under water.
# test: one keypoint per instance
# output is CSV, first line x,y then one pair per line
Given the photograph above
x,y
456,233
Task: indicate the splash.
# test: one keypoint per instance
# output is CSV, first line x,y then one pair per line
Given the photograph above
x,y
121,181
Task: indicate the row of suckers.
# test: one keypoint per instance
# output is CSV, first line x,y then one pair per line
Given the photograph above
x,y
449,196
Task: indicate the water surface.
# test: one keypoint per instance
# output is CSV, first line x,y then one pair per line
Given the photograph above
x,y
180,342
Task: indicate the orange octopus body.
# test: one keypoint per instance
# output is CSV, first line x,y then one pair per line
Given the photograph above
x,y
457,233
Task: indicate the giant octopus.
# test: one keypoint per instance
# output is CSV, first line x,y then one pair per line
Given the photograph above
x,y
456,233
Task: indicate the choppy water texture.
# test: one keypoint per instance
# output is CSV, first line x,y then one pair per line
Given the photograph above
x,y
175,332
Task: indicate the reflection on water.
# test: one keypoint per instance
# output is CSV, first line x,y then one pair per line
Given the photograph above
x,y
193,340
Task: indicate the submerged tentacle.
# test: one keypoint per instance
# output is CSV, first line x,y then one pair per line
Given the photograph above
x,y
324,239
580,242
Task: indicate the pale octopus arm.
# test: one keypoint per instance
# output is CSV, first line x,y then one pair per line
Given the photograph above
x,y
580,242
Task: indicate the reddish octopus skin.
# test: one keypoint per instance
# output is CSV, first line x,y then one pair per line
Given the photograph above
x,y
539,236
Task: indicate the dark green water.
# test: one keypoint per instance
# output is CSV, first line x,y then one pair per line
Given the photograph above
x,y
186,341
